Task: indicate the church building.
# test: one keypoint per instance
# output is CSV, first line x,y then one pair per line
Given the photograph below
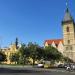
x,y
66,45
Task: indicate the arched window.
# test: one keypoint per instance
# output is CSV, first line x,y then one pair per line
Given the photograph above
x,y
67,29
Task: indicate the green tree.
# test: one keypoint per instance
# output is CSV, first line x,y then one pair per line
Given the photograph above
x,y
32,50
52,54
33,53
36,52
40,53
14,58
67,60
2,57
24,54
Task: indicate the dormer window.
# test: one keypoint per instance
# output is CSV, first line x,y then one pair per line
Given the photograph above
x,y
67,29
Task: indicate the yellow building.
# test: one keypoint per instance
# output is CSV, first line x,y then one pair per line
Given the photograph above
x,y
13,48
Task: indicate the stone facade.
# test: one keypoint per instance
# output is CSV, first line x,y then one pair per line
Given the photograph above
x,y
68,26
67,47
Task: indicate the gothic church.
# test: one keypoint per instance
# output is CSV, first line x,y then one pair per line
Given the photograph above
x,y
66,45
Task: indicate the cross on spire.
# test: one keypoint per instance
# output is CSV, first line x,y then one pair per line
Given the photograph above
x,y
67,3
67,16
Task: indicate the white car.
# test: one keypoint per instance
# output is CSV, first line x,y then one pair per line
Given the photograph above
x,y
40,65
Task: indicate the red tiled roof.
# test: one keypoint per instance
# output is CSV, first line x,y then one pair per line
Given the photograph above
x,y
56,41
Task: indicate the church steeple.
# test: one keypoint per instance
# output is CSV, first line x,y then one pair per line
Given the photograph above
x,y
68,26
67,4
67,17
16,43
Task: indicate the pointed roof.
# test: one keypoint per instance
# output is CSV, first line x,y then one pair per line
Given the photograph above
x,y
67,16
56,41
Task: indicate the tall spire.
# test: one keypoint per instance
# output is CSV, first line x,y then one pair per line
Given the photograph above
x,y
67,16
66,3
67,6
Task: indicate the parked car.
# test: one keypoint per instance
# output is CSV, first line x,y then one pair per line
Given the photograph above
x,y
40,65
61,66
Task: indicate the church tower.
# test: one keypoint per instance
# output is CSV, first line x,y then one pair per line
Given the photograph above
x,y
16,43
68,26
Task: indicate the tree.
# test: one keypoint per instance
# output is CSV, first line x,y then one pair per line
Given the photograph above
x,y
67,60
40,53
24,54
36,52
2,56
16,43
32,50
52,54
33,53
14,58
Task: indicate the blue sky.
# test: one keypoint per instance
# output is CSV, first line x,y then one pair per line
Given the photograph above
x,y
32,20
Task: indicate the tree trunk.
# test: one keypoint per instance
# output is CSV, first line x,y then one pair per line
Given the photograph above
x,y
33,62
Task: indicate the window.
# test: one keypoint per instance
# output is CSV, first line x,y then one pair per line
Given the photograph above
x,y
71,47
66,48
56,45
67,29
68,41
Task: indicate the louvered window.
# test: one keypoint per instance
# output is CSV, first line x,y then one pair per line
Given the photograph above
x,y
67,29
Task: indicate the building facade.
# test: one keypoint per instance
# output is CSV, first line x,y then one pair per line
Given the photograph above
x,y
68,26
66,45
57,43
9,51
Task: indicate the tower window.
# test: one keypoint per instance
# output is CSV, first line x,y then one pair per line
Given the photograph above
x,y
71,47
67,29
68,41
66,48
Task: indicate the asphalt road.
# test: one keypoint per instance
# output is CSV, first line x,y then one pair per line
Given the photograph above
x,y
40,73
33,71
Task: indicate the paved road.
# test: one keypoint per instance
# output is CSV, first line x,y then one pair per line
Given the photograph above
x,y
40,73
32,71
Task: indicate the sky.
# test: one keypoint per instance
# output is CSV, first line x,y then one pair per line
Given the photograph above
x,y
32,20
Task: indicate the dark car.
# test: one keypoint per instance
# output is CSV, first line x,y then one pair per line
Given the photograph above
x,y
61,66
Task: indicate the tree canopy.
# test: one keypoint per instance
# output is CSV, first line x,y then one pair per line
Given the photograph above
x,y
52,53
2,56
36,53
